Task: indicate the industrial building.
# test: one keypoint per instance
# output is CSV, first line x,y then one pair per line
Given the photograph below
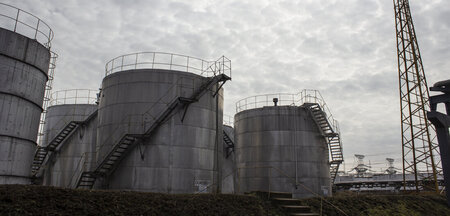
x,y
157,125
153,126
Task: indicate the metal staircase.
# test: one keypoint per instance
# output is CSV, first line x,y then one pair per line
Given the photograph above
x,y
128,141
43,152
331,135
229,143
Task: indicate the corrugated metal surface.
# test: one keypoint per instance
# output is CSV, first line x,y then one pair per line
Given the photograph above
x,y
180,155
278,146
23,74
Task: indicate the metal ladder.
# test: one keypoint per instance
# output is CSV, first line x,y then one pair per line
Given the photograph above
x,y
331,136
42,152
128,141
229,143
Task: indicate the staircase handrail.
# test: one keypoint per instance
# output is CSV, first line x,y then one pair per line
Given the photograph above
x,y
48,155
159,118
289,99
223,65
78,170
314,96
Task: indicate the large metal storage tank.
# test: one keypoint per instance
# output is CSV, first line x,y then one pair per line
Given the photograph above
x,y
77,151
182,154
280,147
24,61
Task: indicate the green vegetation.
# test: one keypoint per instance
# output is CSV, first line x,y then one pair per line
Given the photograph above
x,y
42,200
407,205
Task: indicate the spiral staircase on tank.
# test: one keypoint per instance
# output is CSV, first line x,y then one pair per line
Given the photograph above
x,y
124,146
328,127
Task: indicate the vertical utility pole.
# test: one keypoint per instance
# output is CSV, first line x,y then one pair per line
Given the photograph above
x,y
418,137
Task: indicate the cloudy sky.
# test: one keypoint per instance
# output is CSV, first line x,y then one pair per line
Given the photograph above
x,y
344,48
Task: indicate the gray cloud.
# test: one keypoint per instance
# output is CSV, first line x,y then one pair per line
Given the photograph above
x,y
345,49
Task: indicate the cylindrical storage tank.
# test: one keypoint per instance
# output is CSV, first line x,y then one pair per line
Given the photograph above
x,y
77,150
66,106
182,154
24,62
280,148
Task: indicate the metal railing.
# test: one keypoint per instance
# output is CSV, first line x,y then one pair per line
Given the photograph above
x,y
258,101
287,99
314,96
47,95
84,164
228,120
168,61
25,23
74,96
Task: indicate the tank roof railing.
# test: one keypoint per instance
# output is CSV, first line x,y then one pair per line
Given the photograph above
x,y
314,96
228,120
168,61
74,96
288,99
258,101
25,23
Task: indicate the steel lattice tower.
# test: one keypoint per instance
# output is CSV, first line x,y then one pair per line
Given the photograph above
x,y
419,144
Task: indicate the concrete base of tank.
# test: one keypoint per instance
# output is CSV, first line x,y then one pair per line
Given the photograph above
x,y
279,148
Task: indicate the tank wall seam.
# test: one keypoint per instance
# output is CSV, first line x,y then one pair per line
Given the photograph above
x,y
27,63
15,176
23,98
20,138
